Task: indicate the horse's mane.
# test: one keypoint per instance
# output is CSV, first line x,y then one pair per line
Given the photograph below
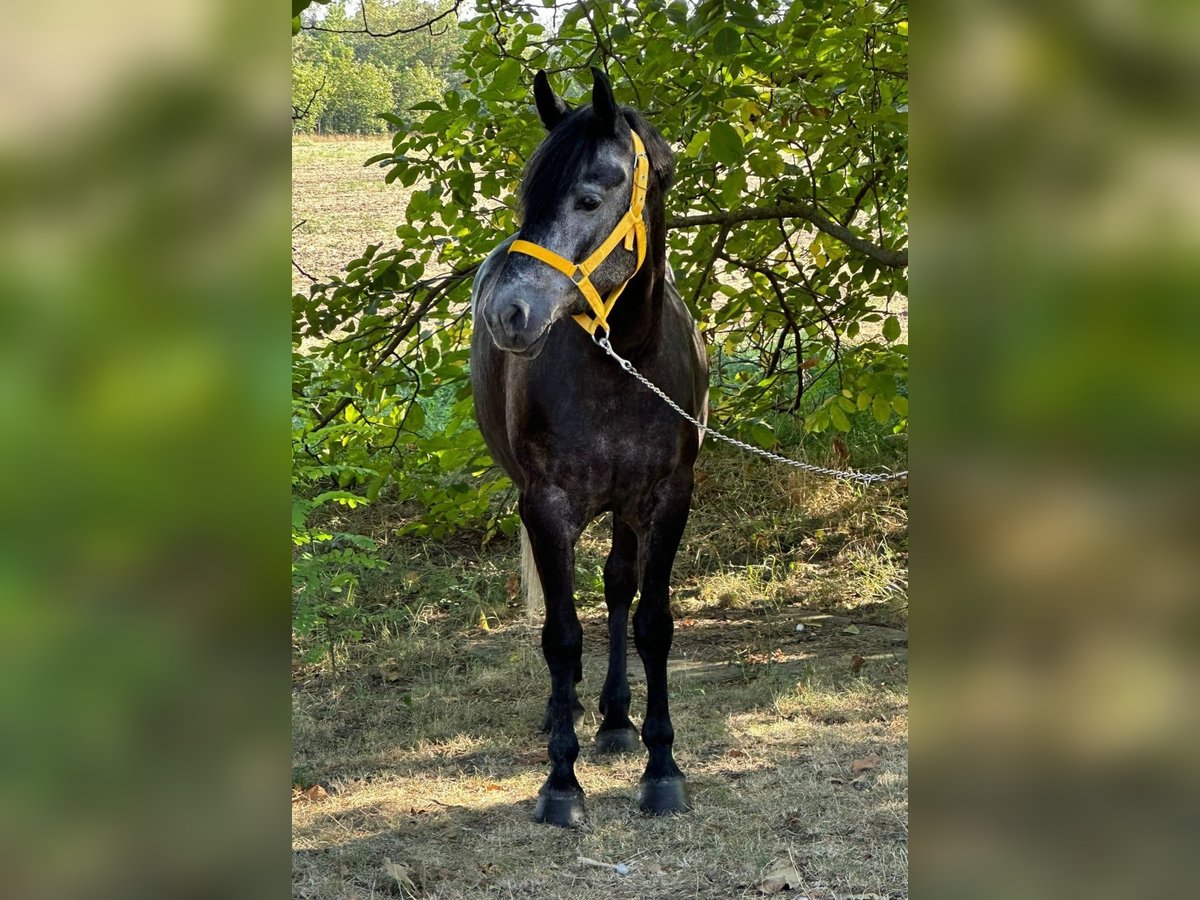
x,y
571,146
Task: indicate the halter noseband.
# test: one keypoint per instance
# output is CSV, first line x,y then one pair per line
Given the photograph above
x,y
631,229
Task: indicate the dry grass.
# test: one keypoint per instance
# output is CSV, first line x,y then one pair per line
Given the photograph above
x,y
447,781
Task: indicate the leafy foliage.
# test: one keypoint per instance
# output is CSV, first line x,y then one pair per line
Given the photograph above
x,y
788,233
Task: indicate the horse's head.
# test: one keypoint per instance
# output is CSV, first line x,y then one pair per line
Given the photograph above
x,y
576,190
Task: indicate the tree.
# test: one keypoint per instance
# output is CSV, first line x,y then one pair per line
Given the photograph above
x,y
339,51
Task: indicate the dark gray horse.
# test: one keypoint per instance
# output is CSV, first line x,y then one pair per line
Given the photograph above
x,y
578,435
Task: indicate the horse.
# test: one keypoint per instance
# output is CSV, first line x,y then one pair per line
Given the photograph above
x,y
575,433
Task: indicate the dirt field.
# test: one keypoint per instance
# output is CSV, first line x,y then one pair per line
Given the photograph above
x,y
339,206
417,763
438,770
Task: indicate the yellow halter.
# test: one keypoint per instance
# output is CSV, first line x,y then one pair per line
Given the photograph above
x,y
631,229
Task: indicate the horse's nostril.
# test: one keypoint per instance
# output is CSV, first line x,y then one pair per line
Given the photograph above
x,y
514,317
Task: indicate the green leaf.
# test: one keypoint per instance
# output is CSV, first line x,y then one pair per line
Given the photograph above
x,y
891,328
733,187
415,420
838,417
900,405
881,409
725,144
727,41
699,139
763,435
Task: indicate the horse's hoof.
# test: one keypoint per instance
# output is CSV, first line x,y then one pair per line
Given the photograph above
x,y
662,796
561,808
618,740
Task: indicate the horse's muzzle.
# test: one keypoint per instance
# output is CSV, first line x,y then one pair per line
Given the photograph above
x,y
517,328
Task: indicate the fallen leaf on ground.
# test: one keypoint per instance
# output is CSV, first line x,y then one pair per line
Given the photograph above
x,y
399,874
512,587
736,753
779,879
312,794
856,662
867,762
850,629
493,787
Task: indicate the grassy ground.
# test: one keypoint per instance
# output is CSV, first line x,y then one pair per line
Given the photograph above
x,y
426,747
417,761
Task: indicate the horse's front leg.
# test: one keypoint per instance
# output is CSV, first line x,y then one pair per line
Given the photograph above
x,y
553,527
617,734
662,788
576,706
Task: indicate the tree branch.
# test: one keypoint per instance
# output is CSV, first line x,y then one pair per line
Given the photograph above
x,y
403,331
719,247
366,29
299,268
896,259
298,113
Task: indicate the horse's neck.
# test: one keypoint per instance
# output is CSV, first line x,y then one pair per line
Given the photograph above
x,y
638,324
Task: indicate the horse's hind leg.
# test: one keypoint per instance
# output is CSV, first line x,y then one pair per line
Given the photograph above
x,y
553,530
617,734
662,788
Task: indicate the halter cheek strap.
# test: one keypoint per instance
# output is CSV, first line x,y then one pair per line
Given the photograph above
x,y
631,230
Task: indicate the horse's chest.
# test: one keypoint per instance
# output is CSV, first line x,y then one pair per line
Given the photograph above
x,y
600,445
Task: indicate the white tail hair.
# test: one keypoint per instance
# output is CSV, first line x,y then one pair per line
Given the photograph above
x,y
531,582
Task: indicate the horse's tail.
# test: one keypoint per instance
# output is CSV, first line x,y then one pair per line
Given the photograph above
x,y
531,582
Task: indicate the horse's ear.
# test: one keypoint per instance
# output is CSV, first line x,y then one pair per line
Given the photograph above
x,y
551,107
603,102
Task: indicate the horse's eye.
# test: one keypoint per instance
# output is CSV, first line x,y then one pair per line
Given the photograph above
x,y
588,201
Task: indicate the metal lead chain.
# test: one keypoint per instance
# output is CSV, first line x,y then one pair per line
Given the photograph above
x,y
866,477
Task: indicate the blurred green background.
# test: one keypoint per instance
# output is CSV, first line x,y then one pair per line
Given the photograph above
x,y
144,355
1055,288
